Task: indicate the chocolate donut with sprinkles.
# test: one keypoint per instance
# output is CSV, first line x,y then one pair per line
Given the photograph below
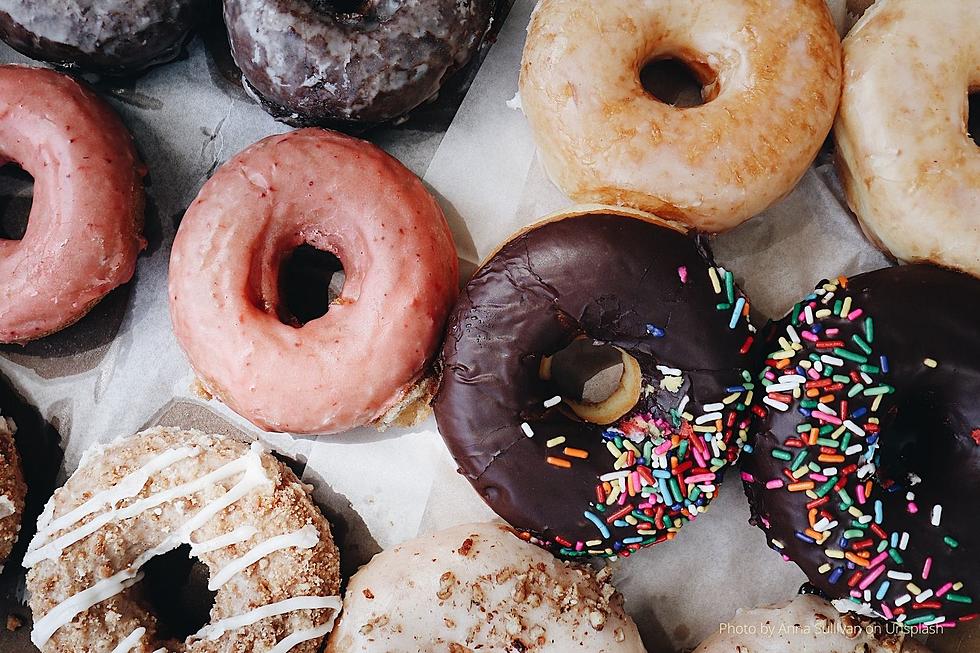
x,y
865,469
595,384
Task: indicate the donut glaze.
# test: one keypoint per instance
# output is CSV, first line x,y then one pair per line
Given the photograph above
x,y
874,493
910,170
615,277
13,490
113,37
340,195
772,88
311,63
83,233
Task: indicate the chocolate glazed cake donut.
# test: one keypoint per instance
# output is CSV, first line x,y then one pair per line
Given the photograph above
x,y
351,63
593,386
866,465
112,37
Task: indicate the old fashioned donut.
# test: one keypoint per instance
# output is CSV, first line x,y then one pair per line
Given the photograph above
x,y
478,587
83,234
268,549
593,387
352,63
13,489
909,167
866,463
113,37
340,195
807,623
771,73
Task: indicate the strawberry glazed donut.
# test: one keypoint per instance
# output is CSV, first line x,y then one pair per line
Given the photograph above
x,y
771,76
363,361
83,233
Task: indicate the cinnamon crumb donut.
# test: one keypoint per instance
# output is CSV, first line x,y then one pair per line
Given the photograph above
x,y
271,557
13,490
478,587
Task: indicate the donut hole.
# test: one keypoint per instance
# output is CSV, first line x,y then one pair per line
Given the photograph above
x,y
16,199
973,115
679,82
914,441
310,279
175,589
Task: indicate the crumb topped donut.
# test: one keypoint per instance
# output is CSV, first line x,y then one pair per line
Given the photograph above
x,y
269,551
771,71
595,381
865,470
13,490
478,587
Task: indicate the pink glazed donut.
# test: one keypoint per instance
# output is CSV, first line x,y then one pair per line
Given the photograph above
x,y
83,233
367,354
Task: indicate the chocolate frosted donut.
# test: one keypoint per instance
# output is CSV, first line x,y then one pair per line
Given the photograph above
x,y
339,62
114,37
866,466
514,407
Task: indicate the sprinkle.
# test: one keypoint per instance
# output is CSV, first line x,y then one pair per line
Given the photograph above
x,y
655,331
930,362
598,524
713,275
937,514
558,462
554,442
576,453
737,312
778,405
554,401
527,429
926,568
682,273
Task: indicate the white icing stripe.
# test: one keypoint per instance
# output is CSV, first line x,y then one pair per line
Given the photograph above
x,y
65,611
127,644
287,643
237,536
219,628
305,538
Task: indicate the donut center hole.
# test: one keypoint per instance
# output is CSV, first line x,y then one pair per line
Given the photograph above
x,y
309,281
973,116
175,588
16,199
915,438
679,82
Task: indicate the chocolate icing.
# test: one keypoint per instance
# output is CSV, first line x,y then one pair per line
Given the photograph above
x,y
619,280
928,428
351,64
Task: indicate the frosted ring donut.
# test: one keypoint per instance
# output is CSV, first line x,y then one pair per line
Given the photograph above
x,y
270,553
772,78
364,358
909,167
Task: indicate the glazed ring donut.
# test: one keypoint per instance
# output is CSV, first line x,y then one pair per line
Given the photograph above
x,y
866,463
597,298
13,490
807,623
910,169
311,64
83,233
772,86
117,37
340,195
478,587
269,551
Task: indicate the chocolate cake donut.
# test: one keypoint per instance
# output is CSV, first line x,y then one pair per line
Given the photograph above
x,y
866,465
593,388
349,62
112,37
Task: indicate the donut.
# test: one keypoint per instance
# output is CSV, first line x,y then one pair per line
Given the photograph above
x,y
595,379
478,587
909,168
770,90
355,63
84,231
269,551
13,489
339,195
115,37
865,466
807,623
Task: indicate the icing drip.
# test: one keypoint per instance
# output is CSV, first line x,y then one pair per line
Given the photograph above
x,y
217,629
127,644
237,536
305,538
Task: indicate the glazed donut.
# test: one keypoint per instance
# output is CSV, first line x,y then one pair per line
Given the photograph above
x,y
866,462
478,587
597,297
269,551
312,63
340,195
807,623
13,490
83,234
772,84
909,168
113,37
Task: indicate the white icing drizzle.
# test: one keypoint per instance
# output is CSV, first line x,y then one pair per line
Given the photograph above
x,y
127,644
287,643
219,628
237,536
65,611
305,538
